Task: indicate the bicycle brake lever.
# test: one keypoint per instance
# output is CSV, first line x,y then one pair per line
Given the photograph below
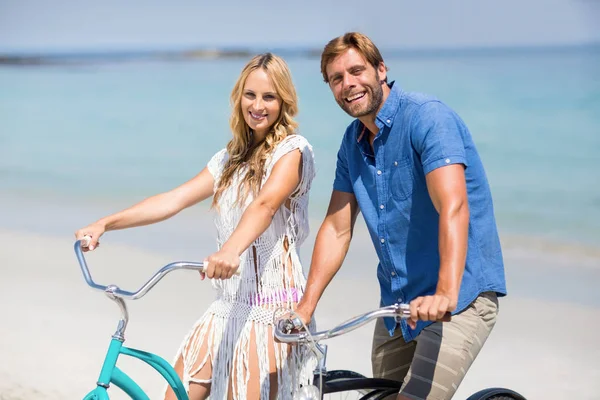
x,y
402,312
286,325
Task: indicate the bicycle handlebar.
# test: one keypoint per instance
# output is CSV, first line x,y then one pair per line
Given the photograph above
x,y
284,326
198,266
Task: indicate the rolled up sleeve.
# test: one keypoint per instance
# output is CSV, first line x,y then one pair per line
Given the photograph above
x,y
437,136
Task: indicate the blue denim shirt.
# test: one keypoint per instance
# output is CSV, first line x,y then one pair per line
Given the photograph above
x,y
418,134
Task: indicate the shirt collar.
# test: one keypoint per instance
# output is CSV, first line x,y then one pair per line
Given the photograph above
x,y
388,111
390,107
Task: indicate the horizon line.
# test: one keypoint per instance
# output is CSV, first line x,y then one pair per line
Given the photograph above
x,y
203,54
178,49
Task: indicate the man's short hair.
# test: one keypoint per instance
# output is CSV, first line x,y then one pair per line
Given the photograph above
x,y
355,40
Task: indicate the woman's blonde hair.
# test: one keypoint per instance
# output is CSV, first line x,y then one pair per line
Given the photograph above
x,y
241,149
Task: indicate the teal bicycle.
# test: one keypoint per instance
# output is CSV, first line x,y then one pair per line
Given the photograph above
x,y
110,373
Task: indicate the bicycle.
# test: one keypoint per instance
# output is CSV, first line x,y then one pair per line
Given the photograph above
x,y
343,381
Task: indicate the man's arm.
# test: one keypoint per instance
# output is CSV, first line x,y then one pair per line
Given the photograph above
x,y
331,247
448,192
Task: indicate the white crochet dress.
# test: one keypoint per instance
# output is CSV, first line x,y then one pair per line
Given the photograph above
x,y
248,301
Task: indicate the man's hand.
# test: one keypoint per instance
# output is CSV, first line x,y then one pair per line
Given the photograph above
x,y
291,322
431,308
303,313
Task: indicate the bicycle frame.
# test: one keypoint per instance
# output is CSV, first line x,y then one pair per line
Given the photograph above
x,y
110,373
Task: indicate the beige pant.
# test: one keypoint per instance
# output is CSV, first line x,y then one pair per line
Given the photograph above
x,y
434,364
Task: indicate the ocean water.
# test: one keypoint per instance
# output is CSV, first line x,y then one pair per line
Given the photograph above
x,y
102,134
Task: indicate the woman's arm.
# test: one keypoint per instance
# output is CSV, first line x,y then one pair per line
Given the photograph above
x,y
282,182
153,209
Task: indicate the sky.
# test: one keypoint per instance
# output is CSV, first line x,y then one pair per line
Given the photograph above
x,y
65,25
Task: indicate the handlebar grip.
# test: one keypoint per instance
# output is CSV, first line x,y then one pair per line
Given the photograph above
x,y
236,273
86,241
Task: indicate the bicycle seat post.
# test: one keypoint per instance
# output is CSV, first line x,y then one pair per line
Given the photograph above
x,y
120,333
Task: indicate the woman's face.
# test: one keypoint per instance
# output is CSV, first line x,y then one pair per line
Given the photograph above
x,y
260,104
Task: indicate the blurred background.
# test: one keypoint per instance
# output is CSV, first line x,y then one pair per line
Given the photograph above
x,y
112,101
105,103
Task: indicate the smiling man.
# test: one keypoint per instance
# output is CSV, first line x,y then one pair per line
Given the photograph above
x,y
409,164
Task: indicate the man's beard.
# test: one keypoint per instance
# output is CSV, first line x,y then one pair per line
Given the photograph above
x,y
375,98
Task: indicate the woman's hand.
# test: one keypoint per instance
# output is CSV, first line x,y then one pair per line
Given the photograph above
x,y
222,265
94,231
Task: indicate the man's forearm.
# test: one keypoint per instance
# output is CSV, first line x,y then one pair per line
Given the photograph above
x,y
330,250
453,242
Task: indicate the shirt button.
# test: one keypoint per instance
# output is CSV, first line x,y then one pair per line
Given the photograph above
x,y
382,240
382,206
447,160
388,121
396,163
379,172
393,273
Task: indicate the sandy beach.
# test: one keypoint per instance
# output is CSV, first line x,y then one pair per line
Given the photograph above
x,y
56,329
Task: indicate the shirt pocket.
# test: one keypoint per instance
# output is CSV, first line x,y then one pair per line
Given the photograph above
x,y
401,179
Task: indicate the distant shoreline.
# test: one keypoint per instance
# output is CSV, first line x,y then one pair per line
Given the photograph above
x,y
122,56
39,58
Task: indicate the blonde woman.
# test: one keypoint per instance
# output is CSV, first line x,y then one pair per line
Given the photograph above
x,y
260,186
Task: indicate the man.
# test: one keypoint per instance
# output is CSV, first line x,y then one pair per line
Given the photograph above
x,y
408,163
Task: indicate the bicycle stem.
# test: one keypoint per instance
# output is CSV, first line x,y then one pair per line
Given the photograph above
x,y
322,367
120,332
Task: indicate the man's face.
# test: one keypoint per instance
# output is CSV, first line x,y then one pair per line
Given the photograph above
x,y
355,84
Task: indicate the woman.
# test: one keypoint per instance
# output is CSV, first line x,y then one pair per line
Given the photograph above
x,y
260,185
